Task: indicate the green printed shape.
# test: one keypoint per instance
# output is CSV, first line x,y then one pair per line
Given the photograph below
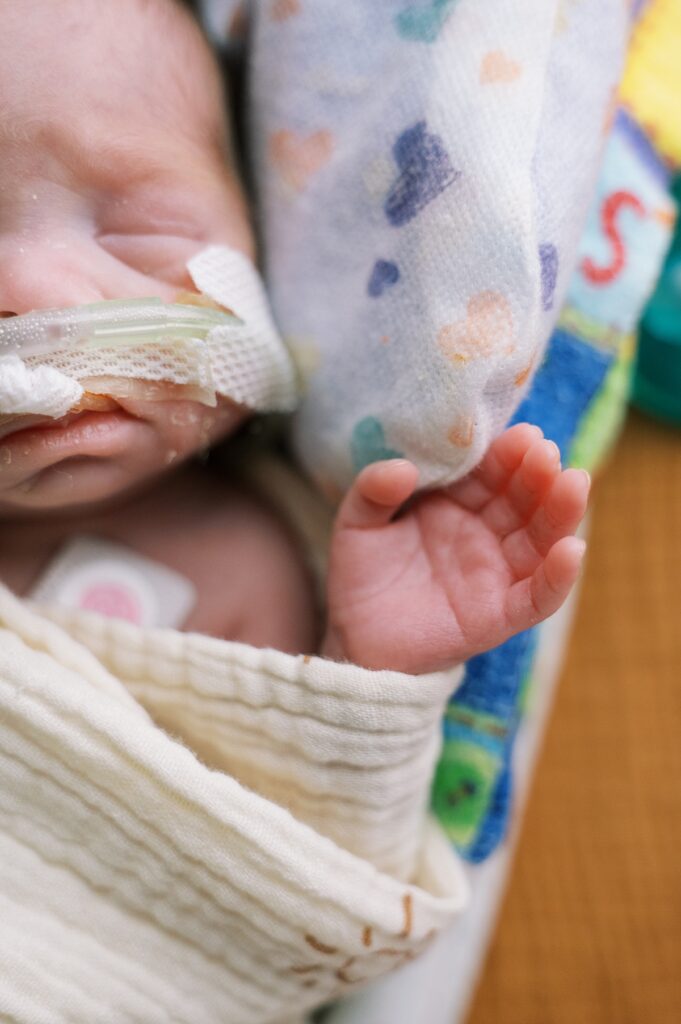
x,y
368,444
424,24
462,789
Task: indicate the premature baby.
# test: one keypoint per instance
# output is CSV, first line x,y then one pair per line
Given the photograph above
x,y
117,169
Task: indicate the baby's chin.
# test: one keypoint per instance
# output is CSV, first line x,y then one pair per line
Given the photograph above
x,y
97,458
73,485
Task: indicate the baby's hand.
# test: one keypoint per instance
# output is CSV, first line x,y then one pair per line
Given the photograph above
x,y
459,570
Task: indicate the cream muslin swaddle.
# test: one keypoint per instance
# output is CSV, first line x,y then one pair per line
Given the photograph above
x,y
195,830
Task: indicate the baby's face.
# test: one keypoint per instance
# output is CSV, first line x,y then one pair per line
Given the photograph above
x,y
113,175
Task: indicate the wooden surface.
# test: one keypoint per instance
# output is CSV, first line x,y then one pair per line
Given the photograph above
x,y
590,932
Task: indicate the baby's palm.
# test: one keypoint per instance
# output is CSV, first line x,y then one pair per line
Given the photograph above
x,y
461,569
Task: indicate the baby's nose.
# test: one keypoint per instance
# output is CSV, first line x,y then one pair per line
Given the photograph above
x,y
44,277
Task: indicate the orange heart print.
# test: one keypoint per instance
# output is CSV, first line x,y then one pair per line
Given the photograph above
x,y
281,10
299,158
486,329
498,68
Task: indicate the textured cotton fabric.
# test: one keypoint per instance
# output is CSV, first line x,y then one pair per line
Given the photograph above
x,y
193,830
423,171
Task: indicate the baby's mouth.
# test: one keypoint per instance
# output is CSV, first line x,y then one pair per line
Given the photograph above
x,y
89,403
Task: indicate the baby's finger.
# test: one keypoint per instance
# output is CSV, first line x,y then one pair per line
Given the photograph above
x,y
562,511
492,475
558,517
527,488
535,598
377,494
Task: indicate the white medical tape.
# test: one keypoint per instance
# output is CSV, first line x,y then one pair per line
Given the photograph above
x,y
244,361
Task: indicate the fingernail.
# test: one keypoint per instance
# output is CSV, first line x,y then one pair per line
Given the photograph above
x,y
587,475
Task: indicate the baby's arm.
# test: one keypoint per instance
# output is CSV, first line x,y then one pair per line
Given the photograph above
x,y
458,570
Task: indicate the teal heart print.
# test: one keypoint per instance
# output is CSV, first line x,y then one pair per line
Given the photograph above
x,y
424,24
368,444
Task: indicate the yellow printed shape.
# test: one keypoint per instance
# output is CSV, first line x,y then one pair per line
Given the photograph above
x,y
651,87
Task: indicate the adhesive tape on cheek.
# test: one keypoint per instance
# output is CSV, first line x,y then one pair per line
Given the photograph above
x,y
244,359
249,362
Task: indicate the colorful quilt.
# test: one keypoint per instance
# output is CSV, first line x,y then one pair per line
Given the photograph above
x,y
578,397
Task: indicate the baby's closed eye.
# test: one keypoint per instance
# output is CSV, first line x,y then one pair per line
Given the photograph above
x,y
154,232
156,228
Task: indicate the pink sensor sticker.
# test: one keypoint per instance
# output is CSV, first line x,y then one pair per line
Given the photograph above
x,y
112,600
97,575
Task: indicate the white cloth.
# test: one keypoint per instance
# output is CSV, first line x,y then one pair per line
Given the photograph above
x,y
424,170
195,830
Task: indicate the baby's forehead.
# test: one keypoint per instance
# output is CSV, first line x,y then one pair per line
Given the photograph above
x,y
149,67
107,154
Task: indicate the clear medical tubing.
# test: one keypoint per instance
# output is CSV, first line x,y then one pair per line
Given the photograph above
x,y
114,323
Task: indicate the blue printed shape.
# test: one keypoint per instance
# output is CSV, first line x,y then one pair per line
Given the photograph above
x,y
368,444
424,24
572,374
498,815
492,682
548,258
425,172
627,126
384,275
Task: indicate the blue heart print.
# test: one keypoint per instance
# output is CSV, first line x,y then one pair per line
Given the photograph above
x,y
425,172
368,444
548,258
384,275
424,24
